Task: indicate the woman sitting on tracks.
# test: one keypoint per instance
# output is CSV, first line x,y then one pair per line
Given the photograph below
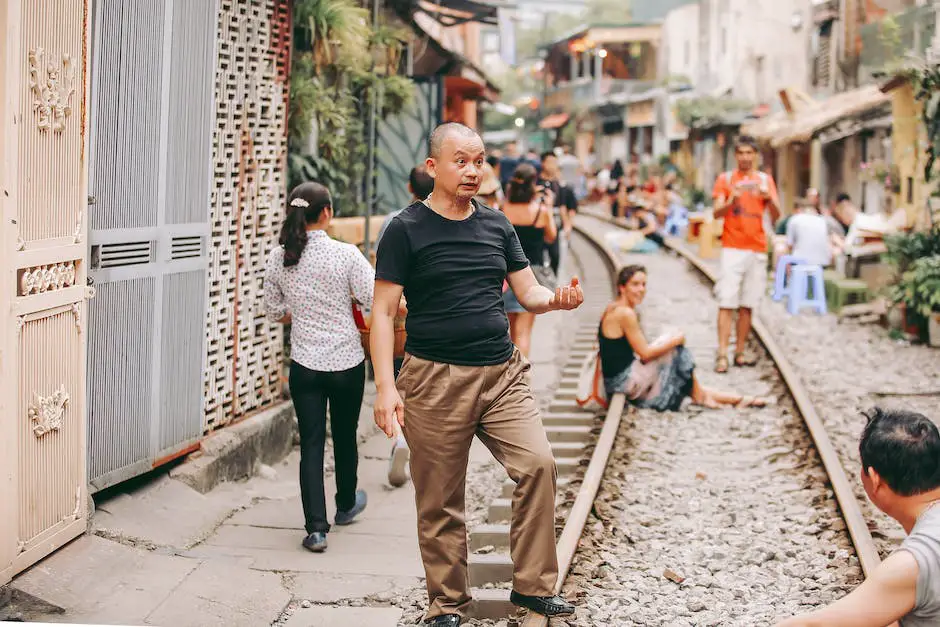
x,y
659,375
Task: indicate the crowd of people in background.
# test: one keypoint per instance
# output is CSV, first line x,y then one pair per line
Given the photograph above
x,y
438,254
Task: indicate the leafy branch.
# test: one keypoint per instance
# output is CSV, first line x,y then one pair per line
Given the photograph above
x,y
707,111
340,61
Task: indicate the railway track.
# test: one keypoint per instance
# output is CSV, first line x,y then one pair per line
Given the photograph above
x,y
581,442
649,526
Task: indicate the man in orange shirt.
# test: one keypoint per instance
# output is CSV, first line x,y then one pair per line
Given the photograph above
x,y
742,197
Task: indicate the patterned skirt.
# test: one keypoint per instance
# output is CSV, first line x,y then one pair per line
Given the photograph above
x,y
661,384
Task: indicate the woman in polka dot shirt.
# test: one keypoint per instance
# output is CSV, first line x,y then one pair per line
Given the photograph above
x,y
311,281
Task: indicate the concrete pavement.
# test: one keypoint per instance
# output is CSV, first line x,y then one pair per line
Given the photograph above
x,y
161,553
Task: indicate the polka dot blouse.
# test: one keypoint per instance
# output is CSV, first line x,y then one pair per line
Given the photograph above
x,y
318,293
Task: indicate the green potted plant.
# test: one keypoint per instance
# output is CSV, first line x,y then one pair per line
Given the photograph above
x,y
903,250
919,291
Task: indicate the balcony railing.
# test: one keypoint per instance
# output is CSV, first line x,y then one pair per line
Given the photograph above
x,y
582,91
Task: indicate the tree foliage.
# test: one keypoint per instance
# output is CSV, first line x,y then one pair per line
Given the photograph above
x,y
556,24
607,11
927,81
340,61
708,111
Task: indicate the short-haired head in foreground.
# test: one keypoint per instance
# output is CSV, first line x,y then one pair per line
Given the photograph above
x,y
443,131
902,448
456,161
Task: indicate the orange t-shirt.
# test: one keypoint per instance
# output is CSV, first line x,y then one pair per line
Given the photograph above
x,y
744,223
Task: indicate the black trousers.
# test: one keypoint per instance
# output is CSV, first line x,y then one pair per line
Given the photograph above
x,y
554,249
311,390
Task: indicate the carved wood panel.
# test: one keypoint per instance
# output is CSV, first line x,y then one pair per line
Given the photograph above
x,y
42,175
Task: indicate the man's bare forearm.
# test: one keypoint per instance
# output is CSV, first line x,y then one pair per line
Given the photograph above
x,y
536,299
722,208
382,345
774,209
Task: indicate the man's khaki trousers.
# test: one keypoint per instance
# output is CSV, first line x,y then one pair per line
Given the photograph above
x,y
445,406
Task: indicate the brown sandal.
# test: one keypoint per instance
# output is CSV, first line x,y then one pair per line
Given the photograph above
x,y
721,364
744,361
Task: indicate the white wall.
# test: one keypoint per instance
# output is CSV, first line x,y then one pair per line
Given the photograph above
x,y
753,49
680,54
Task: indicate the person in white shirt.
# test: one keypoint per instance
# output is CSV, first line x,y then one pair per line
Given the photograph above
x,y
808,236
310,281
569,167
420,185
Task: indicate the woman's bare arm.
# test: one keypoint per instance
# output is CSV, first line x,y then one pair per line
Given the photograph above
x,y
630,324
548,225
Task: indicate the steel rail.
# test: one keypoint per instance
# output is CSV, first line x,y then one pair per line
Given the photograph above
x,y
570,537
865,548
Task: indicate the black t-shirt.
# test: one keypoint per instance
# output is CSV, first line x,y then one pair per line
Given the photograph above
x,y
564,195
567,198
452,272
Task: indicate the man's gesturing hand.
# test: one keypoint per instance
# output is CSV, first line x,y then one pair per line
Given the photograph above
x,y
567,297
388,408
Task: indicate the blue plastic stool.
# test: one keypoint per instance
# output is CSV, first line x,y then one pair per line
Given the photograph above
x,y
803,279
678,221
781,287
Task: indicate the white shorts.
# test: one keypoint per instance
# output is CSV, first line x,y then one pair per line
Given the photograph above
x,y
742,280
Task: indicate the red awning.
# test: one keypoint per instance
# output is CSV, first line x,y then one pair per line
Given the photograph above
x,y
556,120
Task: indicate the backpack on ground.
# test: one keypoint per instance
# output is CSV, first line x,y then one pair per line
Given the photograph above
x,y
591,394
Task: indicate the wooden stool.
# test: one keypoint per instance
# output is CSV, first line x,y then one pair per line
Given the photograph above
x,y
708,241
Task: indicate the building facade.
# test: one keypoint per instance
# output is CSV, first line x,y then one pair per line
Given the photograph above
x,y
679,57
750,49
143,188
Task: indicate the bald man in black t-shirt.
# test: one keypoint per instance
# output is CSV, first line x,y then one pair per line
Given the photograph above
x,y
462,377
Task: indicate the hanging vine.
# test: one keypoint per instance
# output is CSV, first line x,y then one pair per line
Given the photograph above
x,y
338,61
927,82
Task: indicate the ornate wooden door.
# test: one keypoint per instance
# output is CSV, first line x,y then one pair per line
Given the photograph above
x,y
43,285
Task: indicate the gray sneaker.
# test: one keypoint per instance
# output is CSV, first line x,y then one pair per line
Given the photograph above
x,y
315,542
398,463
346,517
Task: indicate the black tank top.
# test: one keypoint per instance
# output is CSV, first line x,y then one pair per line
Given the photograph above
x,y
616,354
532,239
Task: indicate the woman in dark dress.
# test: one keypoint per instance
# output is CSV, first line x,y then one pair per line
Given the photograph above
x,y
658,375
529,209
